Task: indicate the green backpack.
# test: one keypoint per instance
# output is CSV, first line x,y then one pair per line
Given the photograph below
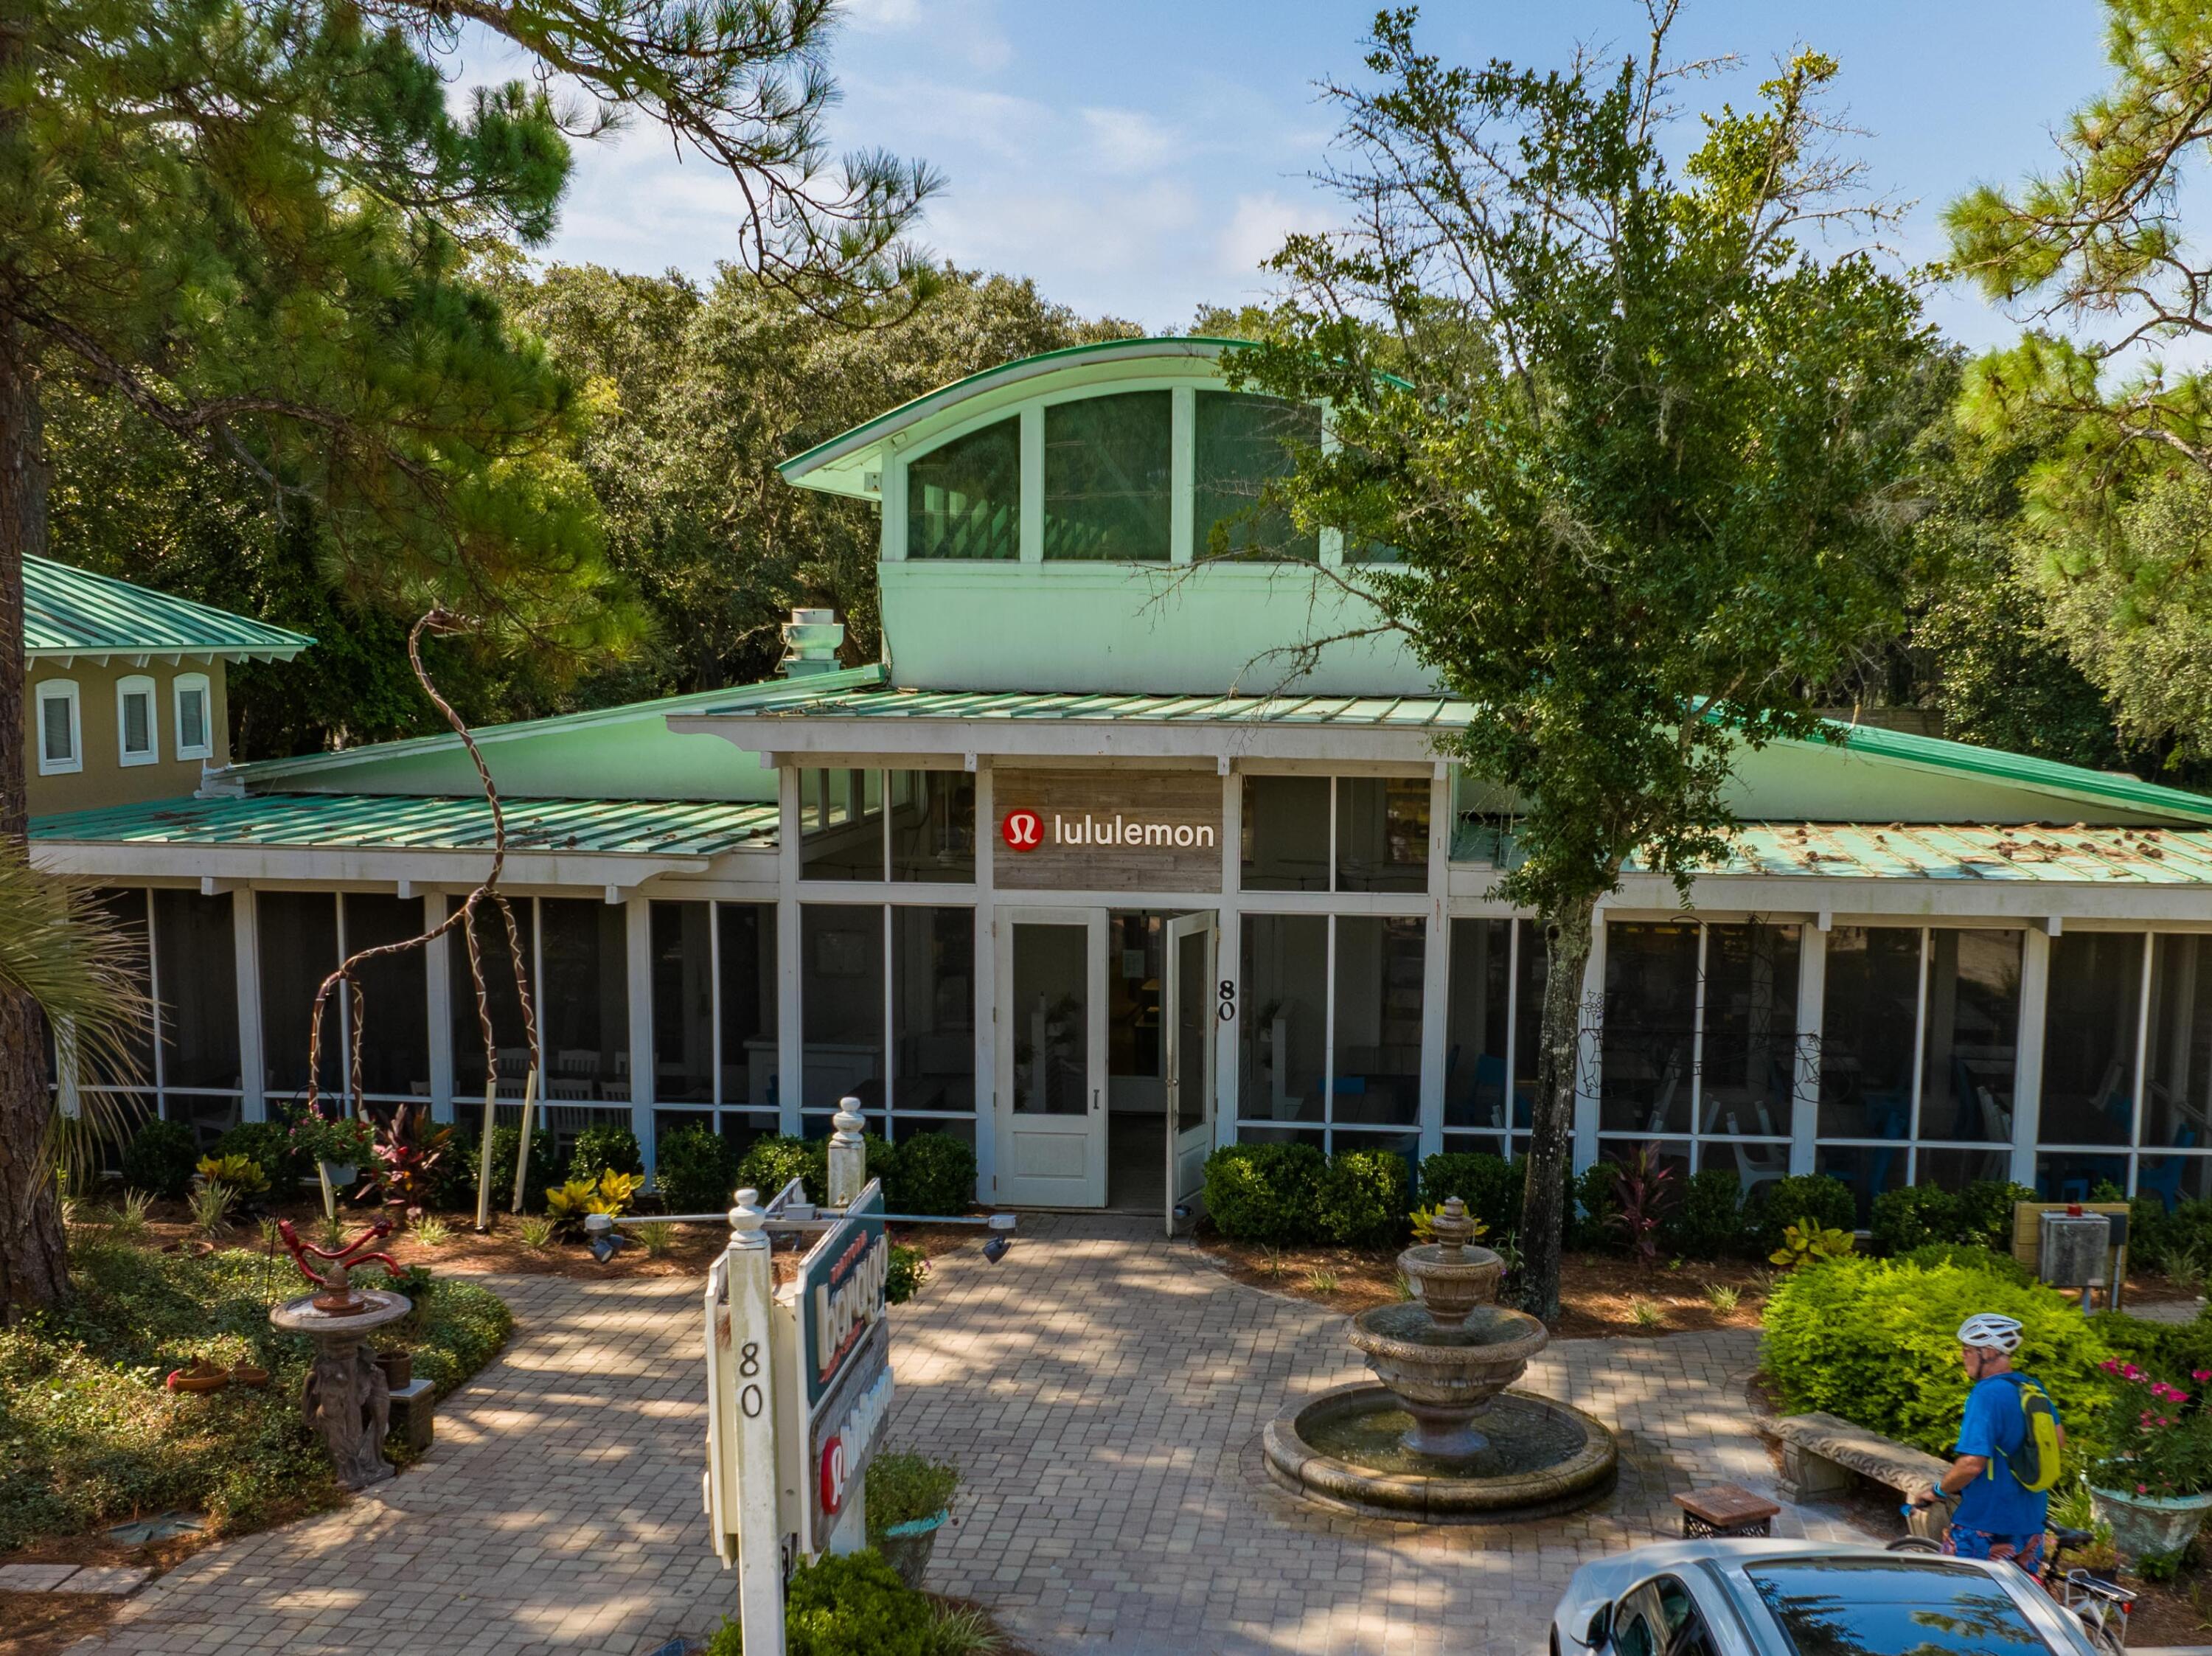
x,y
2035,1463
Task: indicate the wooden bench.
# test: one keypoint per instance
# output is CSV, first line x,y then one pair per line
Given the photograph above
x,y
1823,1455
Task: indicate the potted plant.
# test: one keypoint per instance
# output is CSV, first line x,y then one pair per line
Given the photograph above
x,y
2153,1484
338,1145
909,1496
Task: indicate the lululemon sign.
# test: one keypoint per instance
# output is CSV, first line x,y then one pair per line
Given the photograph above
x,y
1022,830
1109,830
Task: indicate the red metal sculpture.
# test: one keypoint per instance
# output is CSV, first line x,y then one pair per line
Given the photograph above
x,y
341,1300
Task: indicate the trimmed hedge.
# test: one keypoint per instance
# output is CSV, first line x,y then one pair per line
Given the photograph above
x,y
772,1163
160,1158
1781,1202
1706,1220
1489,1185
605,1148
1266,1192
694,1171
931,1172
1875,1341
1915,1216
268,1146
1364,1198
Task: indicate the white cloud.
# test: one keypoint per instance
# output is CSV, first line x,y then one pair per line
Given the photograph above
x,y
1257,225
1125,141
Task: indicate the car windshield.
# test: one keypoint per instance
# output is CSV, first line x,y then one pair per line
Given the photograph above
x,y
1892,1607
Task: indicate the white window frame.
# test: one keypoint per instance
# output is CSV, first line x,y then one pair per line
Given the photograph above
x,y
137,684
184,683
59,689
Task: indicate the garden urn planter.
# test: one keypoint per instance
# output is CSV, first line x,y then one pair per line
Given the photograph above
x,y
2147,1525
907,1547
339,1173
398,1368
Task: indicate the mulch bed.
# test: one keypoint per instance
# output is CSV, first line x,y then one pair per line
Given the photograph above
x,y
41,1624
1598,1292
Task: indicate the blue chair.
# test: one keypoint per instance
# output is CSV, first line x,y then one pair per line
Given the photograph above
x,y
2165,1182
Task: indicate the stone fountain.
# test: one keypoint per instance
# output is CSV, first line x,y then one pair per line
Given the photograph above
x,y
1443,1439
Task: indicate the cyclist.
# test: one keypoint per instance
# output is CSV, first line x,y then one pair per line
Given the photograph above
x,y
2002,1486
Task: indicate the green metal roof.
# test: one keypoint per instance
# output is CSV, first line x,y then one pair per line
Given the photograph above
x,y
412,822
2000,855
69,611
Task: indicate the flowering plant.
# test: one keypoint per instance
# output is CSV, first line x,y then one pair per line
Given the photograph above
x,y
2158,1437
343,1140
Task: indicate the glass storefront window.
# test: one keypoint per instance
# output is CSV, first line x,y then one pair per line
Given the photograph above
x,y
934,1009
1282,1028
683,1003
299,948
2178,1059
1285,834
1243,443
503,996
963,499
2089,1041
1650,1024
1377,1077
1747,1066
840,824
841,1004
584,1004
748,1001
1477,1024
1868,1017
932,826
1107,466
197,954
395,1048
1973,1035
1382,833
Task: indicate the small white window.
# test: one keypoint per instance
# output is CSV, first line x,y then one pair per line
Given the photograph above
x,y
60,732
193,740
133,720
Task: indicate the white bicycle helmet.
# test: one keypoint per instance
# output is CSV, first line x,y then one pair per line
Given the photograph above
x,y
1990,1331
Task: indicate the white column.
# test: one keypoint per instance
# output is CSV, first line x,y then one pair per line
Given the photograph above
x,y
438,989
1811,1006
637,958
246,946
1228,958
985,977
1435,966
2027,1073
751,1430
789,1044
1589,1018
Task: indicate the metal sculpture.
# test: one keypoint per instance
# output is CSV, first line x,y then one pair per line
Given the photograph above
x,y
341,1300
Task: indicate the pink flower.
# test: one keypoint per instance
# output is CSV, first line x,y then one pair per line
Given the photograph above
x,y
2201,1373
2142,1488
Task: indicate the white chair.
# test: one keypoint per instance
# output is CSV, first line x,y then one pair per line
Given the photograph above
x,y
568,1086
577,1061
1997,1121
1668,1083
1756,1170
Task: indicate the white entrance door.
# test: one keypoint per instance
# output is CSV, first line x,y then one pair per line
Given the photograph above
x,y
1051,1058
1189,1000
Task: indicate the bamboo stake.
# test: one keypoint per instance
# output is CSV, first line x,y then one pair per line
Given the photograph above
x,y
522,1153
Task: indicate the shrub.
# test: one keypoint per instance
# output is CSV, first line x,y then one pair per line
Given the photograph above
x,y
694,1171
853,1606
1972,1256
268,1144
1912,1216
2172,1352
932,1173
1265,1193
1781,1202
1644,1194
904,1277
1364,1198
1596,1201
904,1486
603,1148
772,1163
1708,1221
1985,1212
160,1158
1875,1341
542,1173
1490,1186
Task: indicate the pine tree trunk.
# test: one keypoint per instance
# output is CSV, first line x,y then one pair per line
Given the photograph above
x,y
1550,1141
33,1270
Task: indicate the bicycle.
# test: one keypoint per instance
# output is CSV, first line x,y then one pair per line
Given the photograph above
x,y
2102,1606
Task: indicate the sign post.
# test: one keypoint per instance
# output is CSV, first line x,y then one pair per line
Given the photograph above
x,y
741,1484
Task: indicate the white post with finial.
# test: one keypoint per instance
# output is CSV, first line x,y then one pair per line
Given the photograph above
x,y
747,1402
849,1155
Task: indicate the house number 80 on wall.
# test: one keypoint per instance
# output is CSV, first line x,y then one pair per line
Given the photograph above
x,y
1227,1008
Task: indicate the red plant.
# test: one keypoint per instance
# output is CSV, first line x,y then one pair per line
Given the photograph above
x,y
408,1151
1643,1189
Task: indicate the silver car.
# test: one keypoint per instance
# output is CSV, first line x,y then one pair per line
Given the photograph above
x,y
1758,1598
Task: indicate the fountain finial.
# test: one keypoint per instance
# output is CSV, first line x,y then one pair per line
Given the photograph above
x,y
1451,1228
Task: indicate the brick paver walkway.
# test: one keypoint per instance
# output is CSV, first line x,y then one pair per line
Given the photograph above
x,y
1103,1392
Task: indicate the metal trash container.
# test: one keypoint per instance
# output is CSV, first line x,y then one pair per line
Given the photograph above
x,y
2075,1250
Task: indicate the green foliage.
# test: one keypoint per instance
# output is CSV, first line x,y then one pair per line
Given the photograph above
x,y
341,1139
602,1148
694,1171
1707,1223
93,1438
1875,1341
1970,1256
1595,1202
1912,1216
538,1177
771,1163
1781,1202
1364,1198
160,1158
1490,1186
904,1486
1985,1212
2174,1352
931,1172
1265,1193
856,1605
239,1174
609,1193
269,1144
907,1270
1808,1244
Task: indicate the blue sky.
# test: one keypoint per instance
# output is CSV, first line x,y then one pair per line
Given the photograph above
x,y
1141,157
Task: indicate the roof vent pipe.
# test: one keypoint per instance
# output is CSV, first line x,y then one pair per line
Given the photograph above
x,y
811,639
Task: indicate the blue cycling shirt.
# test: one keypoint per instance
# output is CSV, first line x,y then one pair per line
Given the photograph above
x,y
1994,1427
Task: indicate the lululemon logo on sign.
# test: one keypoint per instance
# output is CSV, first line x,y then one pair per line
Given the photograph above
x,y
833,1476
1023,830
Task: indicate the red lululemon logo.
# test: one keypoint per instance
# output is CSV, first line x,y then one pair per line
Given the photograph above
x,y
1023,830
833,1476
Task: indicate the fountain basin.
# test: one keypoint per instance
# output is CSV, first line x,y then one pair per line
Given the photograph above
x,y
1347,1450
1444,1373
1452,1280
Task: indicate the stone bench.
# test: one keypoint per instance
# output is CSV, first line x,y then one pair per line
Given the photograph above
x,y
413,1410
1823,1456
